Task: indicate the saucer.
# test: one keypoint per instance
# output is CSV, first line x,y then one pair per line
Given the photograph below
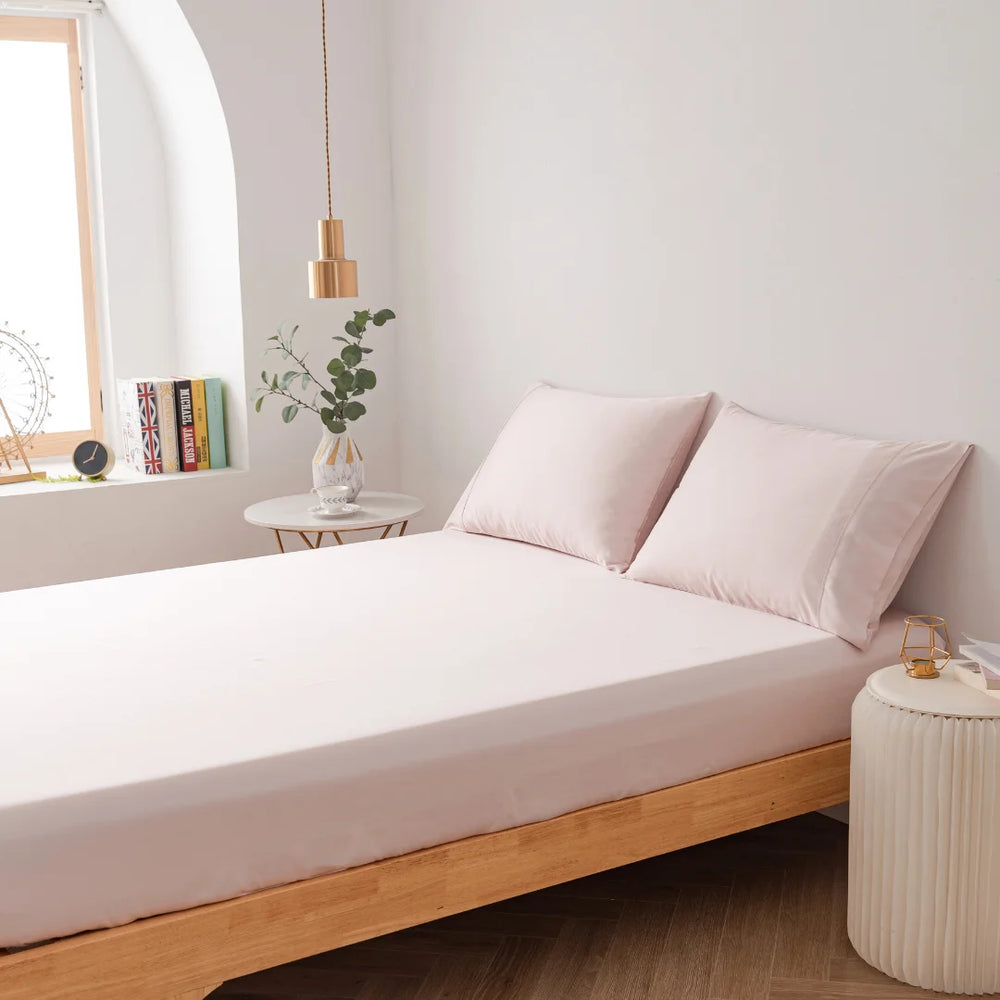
x,y
341,510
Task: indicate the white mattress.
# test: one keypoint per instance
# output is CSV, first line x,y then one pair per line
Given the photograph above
x,y
190,735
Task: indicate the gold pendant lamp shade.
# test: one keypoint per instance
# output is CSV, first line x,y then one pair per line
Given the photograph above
x,y
333,276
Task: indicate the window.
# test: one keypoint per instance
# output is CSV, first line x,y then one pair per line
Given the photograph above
x,y
46,256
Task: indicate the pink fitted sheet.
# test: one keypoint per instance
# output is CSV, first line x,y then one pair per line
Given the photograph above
x,y
339,706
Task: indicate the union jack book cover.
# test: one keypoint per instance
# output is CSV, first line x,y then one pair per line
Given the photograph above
x,y
140,429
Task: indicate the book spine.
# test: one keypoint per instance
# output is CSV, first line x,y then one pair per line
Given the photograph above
x,y
185,426
216,424
166,405
128,405
148,427
200,422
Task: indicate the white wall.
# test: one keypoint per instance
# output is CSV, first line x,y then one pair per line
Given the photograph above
x,y
269,77
793,204
134,216
202,230
268,68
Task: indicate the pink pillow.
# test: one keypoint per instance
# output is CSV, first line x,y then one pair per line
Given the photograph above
x,y
803,523
580,473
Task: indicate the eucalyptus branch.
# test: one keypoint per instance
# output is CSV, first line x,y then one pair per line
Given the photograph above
x,y
347,376
301,362
294,399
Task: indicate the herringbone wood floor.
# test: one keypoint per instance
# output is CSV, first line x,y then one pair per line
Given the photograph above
x,y
756,916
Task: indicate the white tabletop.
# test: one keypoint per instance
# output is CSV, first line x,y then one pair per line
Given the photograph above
x,y
945,695
292,513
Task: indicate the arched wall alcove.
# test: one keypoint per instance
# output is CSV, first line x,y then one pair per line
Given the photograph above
x,y
200,181
205,108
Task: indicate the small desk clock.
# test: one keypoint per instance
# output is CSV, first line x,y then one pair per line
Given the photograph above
x,y
93,459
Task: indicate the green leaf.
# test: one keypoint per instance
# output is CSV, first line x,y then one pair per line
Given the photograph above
x,y
259,403
360,318
345,381
289,413
336,367
306,379
274,381
351,355
286,379
354,410
383,316
367,350
340,393
263,377
358,392
329,397
274,337
331,423
351,328
343,340
365,378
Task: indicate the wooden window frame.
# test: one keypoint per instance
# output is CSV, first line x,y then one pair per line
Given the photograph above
x,y
67,30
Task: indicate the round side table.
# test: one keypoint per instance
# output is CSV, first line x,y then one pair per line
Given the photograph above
x,y
378,510
924,856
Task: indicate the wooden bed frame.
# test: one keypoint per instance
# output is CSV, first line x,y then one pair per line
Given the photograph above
x,y
185,955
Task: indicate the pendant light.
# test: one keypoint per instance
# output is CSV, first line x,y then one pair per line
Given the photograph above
x,y
332,276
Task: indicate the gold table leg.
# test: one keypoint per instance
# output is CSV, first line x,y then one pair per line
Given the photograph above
x,y
337,535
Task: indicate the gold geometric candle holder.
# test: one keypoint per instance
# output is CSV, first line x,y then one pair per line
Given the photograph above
x,y
920,652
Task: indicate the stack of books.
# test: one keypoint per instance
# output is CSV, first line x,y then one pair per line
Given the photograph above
x,y
983,669
172,424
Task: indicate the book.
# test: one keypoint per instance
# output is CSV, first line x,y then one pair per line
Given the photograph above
x,y
975,676
986,656
216,424
167,412
200,422
140,425
185,425
128,409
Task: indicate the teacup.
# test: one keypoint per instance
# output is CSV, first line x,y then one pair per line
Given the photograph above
x,y
332,496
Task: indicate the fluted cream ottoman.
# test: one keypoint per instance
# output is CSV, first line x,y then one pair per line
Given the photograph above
x,y
924,869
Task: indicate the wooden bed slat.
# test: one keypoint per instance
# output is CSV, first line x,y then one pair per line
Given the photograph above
x,y
176,954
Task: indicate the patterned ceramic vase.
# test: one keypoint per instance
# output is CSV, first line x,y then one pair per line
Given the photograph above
x,y
338,462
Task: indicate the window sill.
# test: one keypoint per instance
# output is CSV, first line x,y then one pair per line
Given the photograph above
x,y
119,477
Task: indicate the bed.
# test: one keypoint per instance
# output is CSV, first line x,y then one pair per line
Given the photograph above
x,y
302,751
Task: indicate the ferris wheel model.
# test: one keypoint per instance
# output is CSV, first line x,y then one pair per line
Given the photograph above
x,y
24,388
